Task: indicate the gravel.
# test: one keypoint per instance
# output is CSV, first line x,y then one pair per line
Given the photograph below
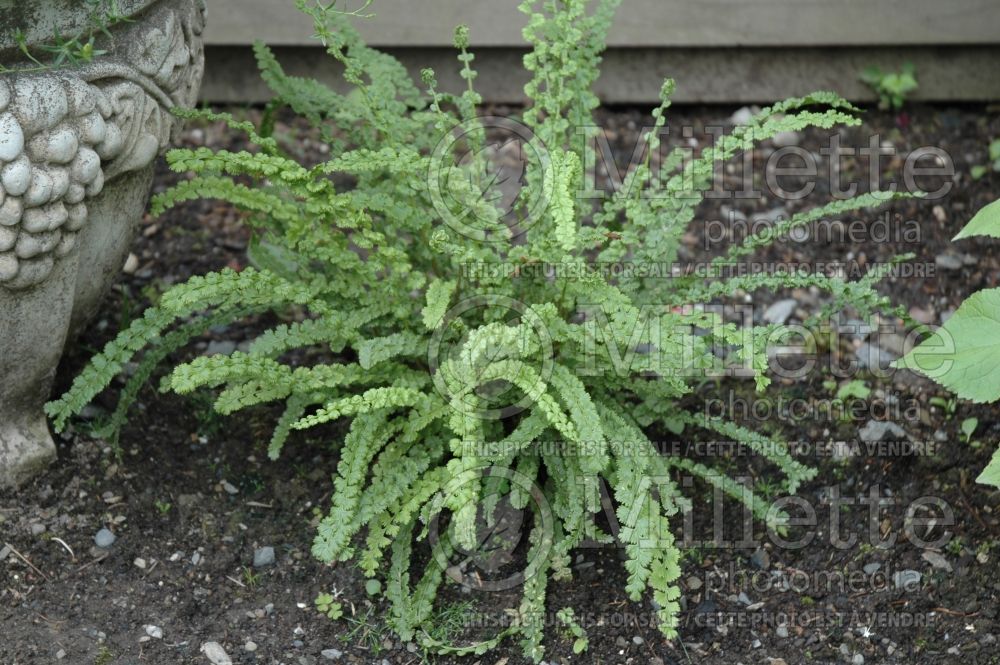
x,y
876,430
779,312
761,559
104,538
215,653
263,557
332,654
948,262
906,579
871,356
937,560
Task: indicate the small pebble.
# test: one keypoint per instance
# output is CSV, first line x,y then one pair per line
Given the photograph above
x,y
154,631
906,579
786,139
743,116
761,559
872,568
937,560
37,529
332,654
263,557
139,563
948,262
250,646
779,312
215,653
105,538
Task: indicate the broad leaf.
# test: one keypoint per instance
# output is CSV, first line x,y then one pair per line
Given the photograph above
x,y
985,223
991,474
964,354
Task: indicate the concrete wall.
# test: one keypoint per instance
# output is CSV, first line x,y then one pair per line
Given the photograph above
x,y
727,51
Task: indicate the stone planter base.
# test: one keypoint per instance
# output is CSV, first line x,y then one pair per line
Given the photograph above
x,y
76,153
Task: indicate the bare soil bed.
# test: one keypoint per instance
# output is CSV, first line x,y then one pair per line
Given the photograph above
x,y
193,497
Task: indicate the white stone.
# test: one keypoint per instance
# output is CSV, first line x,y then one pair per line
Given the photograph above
x,y
112,143
103,105
215,653
27,105
85,167
75,193
80,96
145,149
30,245
40,103
58,146
76,216
11,138
95,187
16,176
8,267
68,112
60,182
35,220
66,245
40,189
11,211
33,272
8,236
92,128
45,218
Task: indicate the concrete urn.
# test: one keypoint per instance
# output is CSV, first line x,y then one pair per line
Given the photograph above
x,y
77,145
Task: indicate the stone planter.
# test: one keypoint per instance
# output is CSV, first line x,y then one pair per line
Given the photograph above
x,y
77,146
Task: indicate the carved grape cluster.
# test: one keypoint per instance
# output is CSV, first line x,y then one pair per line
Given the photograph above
x,y
54,134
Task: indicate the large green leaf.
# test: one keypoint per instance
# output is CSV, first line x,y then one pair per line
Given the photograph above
x,y
964,354
985,223
991,474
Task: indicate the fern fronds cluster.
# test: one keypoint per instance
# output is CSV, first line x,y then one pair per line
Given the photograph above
x,y
452,384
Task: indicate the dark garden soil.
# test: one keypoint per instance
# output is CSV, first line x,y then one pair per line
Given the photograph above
x,y
192,495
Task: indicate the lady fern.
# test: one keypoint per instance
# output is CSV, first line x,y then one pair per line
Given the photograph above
x,y
453,382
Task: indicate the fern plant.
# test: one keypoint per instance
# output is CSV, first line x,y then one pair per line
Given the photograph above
x,y
451,381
